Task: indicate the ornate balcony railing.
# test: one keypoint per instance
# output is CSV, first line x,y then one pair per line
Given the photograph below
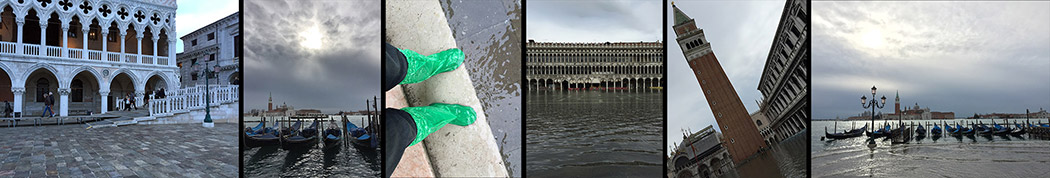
x,y
78,53
192,98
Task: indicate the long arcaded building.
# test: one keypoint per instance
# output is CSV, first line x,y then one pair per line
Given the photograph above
x,y
594,66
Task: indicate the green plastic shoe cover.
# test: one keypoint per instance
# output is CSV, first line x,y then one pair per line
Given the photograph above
x,y
422,67
431,118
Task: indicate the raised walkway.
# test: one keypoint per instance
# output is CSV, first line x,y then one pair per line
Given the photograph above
x,y
452,151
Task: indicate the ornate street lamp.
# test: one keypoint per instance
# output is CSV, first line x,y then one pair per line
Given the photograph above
x,y
207,96
874,104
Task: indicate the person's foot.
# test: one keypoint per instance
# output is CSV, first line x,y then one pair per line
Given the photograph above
x,y
431,118
422,67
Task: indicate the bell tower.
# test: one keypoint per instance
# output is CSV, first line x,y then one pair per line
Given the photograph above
x,y
742,138
270,106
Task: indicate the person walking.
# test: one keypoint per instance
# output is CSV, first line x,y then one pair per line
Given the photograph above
x,y
48,102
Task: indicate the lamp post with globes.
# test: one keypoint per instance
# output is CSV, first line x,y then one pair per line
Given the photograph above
x,y
874,104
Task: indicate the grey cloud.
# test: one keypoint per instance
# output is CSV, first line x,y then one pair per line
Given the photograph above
x,y
339,76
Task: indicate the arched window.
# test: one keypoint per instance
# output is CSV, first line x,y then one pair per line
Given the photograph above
x,y
759,122
42,86
77,89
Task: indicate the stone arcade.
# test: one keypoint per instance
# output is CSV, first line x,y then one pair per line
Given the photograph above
x,y
89,53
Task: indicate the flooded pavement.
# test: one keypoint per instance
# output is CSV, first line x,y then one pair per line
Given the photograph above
x,y
575,133
338,161
785,159
489,33
947,156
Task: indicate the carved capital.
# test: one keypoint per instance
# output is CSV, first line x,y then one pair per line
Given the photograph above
x,y
63,91
103,93
18,90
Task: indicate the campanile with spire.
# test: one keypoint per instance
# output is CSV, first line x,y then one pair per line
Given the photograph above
x,y
741,136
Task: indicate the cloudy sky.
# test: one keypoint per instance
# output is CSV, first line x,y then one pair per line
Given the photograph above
x,y
740,33
312,54
593,21
192,15
965,57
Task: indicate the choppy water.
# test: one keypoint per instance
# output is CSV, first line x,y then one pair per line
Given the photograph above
x,y
578,133
489,33
784,159
344,161
946,156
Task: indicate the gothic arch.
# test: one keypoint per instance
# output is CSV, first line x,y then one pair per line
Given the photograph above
x,y
168,82
74,72
34,67
134,78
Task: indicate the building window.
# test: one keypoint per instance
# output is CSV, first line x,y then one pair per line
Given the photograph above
x,y
193,43
211,57
703,81
211,36
112,37
42,86
237,49
732,140
759,122
93,34
719,114
77,90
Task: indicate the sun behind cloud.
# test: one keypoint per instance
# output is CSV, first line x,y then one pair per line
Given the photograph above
x,y
311,38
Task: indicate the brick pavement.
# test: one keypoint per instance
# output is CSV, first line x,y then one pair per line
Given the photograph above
x,y
174,150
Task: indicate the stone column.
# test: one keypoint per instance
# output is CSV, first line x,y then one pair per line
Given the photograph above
x,y
65,45
155,38
84,36
105,100
63,105
105,44
171,51
43,37
123,37
18,92
21,22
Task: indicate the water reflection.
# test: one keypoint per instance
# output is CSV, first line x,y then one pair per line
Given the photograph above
x,y
572,134
489,34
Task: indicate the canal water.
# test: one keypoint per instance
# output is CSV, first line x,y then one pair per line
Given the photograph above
x,y
489,33
948,156
784,159
344,161
576,133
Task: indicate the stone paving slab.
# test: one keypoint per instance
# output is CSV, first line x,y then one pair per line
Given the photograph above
x,y
414,162
175,150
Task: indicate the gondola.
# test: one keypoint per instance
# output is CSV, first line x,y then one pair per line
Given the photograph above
x,y
305,139
920,130
848,134
360,137
332,136
885,131
982,129
1019,130
964,130
1000,130
260,135
936,131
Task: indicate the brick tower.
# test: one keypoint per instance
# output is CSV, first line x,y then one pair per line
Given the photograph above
x,y
742,137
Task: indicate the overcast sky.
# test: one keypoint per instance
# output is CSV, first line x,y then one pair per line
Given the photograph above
x,y
740,33
593,21
965,57
312,54
192,15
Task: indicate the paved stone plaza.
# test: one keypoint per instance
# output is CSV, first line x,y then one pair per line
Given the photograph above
x,y
175,150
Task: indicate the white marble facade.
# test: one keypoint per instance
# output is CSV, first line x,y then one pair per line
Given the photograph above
x,y
87,52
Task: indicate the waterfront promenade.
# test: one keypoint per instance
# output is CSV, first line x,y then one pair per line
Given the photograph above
x,y
167,150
